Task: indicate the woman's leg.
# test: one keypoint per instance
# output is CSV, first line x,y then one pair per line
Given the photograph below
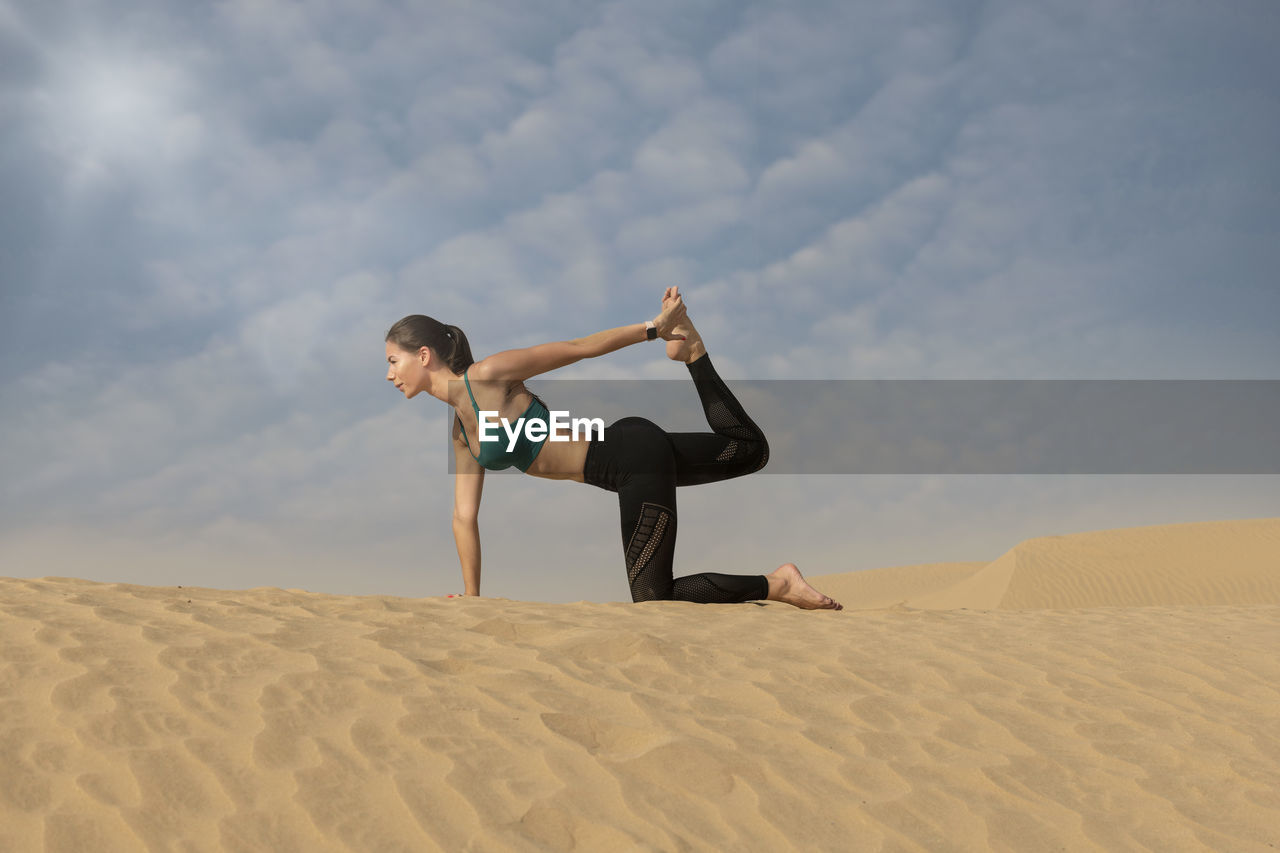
x,y
736,447
636,459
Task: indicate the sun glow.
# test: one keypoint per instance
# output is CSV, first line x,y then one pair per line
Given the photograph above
x,y
110,115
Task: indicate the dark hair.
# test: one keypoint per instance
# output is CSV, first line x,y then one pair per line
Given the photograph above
x,y
418,330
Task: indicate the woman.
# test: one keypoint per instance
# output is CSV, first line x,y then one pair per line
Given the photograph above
x,y
636,459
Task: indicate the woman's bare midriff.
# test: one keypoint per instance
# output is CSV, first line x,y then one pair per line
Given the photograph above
x,y
561,460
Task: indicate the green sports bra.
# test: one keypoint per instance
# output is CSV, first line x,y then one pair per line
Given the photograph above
x,y
493,454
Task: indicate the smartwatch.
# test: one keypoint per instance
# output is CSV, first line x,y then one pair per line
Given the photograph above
x,y
650,330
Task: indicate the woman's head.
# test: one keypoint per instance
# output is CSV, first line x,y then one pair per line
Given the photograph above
x,y
407,341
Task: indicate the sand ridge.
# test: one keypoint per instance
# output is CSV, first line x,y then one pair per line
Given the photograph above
x,y
157,718
1216,562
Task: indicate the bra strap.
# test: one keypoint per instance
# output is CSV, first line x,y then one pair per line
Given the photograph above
x,y
474,405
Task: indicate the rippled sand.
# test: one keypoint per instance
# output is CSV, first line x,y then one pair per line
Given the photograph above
x,y
1054,718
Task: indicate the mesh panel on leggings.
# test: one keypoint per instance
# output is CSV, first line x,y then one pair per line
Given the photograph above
x,y
714,588
723,421
647,537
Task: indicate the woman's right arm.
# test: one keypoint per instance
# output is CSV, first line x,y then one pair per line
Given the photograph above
x,y
468,484
521,364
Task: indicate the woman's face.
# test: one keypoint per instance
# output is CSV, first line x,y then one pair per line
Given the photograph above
x,y
406,370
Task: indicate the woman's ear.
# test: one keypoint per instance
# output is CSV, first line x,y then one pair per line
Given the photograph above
x,y
425,354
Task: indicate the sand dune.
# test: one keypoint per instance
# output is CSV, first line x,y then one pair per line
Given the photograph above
x,y
1060,717
1217,562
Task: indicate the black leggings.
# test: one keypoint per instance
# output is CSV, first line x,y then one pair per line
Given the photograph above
x,y
644,465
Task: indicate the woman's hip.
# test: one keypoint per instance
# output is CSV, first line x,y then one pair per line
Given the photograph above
x,y
630,446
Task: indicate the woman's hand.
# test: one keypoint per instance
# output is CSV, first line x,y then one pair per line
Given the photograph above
x,y
672,316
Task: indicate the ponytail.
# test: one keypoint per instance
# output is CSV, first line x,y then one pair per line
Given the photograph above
x,y
449,342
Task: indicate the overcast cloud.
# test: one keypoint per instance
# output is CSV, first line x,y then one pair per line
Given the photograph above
x,y
210,214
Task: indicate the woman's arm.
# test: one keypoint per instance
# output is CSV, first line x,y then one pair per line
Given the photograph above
x,y
468,485
466,534
518,364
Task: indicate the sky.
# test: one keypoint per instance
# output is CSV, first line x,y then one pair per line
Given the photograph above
x,y
211,213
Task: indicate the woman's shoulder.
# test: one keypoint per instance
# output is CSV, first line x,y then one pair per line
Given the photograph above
x,y
481,371
485,371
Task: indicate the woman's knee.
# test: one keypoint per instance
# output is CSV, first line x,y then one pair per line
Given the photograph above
x,y
749,449
746,455
651,592
759,452
755,452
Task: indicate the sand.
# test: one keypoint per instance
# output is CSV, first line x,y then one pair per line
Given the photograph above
x,y
1115,690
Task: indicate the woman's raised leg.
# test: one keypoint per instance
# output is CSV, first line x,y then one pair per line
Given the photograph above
x,y
736,446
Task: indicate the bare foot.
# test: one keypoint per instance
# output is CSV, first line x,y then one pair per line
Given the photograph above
x,y
689,349
787,584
